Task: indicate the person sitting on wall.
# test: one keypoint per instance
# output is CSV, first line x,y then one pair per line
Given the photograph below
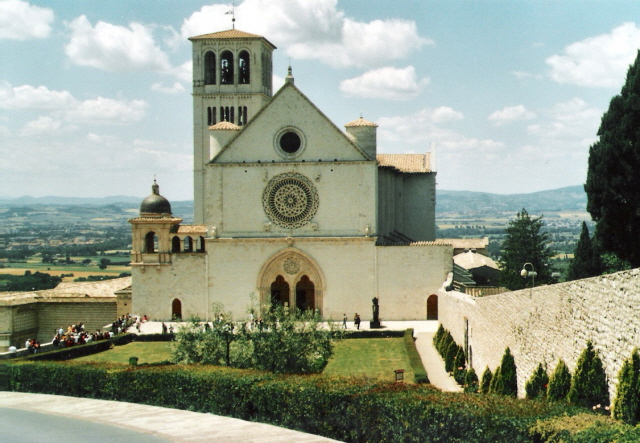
x,y
56,340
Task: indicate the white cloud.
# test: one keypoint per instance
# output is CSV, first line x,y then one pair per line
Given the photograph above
x,y
103,110
29,97
184,71
114,48
574,120
42,125
445,114
386,83
173,89
20,20
315,30
511,114
600,61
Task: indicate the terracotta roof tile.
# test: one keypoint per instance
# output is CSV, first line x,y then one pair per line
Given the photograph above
x,y
360,122
192,229
405,162
230,33
224,125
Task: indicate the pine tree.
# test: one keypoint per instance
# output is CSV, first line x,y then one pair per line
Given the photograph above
x,y
485,383
626,406
506,378
613,173
525,242
559,383
471,382
586,258
589,386
536,386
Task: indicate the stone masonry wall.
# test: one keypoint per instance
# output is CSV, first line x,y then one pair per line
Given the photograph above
x,y
548,323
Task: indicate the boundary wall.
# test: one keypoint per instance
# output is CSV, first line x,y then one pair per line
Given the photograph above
x,y
544,324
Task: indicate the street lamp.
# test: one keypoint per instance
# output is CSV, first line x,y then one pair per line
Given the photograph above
x,y
532,273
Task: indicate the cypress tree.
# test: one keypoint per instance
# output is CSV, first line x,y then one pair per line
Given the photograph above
x,y
450,355
471,382
559,383
494,381
589,384
506,377
614,172
586,260
525,242
485,383
626,405
459,362
536,386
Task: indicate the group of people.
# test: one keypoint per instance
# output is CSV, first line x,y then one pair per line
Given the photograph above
x,y
356,321
76,335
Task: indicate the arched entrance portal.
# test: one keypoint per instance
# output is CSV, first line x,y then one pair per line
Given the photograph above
x,y
305,297
279,291
432,307
292,277
176,309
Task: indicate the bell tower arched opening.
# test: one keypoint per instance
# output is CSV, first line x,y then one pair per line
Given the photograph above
x,y
209,68
226,68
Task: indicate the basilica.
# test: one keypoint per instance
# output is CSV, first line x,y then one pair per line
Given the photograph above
x,y
288,207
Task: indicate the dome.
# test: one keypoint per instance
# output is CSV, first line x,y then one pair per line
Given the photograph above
x,y
155,203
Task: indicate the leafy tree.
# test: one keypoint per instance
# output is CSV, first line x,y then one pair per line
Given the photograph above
x,y
506,381
589,384
536,386
485,383
525,242
586,259
559,383
612,263
626,406
614,171
471,382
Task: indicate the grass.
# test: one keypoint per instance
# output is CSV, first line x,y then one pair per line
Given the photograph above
x,y
363,357
370,357
147,352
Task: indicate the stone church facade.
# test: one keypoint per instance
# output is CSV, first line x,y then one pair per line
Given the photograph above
x,y
288,208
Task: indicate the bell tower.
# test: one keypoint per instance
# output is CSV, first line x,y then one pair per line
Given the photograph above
x,y
232,81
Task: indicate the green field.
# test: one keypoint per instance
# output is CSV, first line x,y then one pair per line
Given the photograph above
x,y
362,357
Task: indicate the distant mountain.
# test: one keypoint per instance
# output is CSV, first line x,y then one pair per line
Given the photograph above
x,y
571,198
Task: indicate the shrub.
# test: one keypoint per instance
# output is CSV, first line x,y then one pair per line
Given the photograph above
x,y
536,386
559,383
471,382
589,384
506,378
625,405
459,370
485,383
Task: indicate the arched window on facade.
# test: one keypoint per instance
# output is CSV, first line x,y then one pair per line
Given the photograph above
x,y
244,71
188,244
279,291
226,68
201,244
150,243
242,115
305,294
211,116
176,309
209,68
175,244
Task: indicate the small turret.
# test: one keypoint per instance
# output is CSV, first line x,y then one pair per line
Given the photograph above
x,y
363,133
219,135
155,205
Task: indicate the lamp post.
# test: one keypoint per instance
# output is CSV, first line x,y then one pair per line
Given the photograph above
x,y
532,273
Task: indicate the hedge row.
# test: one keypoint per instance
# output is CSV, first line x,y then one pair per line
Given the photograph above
x,y
350,410
419,372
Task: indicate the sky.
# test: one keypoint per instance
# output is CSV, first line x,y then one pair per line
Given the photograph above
x,y
95,95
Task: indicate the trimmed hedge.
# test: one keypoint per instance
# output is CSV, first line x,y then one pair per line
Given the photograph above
x,y
419,372
350,410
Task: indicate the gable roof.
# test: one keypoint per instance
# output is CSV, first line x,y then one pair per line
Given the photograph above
x,y
230,34
288,85
411,163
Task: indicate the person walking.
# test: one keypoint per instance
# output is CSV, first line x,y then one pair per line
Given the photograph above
x,y
344,321
356,321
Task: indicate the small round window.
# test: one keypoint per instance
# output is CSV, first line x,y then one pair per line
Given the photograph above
x,y
289,142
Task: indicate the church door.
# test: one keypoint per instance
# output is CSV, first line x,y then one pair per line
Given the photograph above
x,y
432,307
305,294
176,309
279,291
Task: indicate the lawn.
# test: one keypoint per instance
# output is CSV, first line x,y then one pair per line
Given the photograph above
x,y
147,352
364,357
370,357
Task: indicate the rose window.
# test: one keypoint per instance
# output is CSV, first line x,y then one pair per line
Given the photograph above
x,y
290,200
